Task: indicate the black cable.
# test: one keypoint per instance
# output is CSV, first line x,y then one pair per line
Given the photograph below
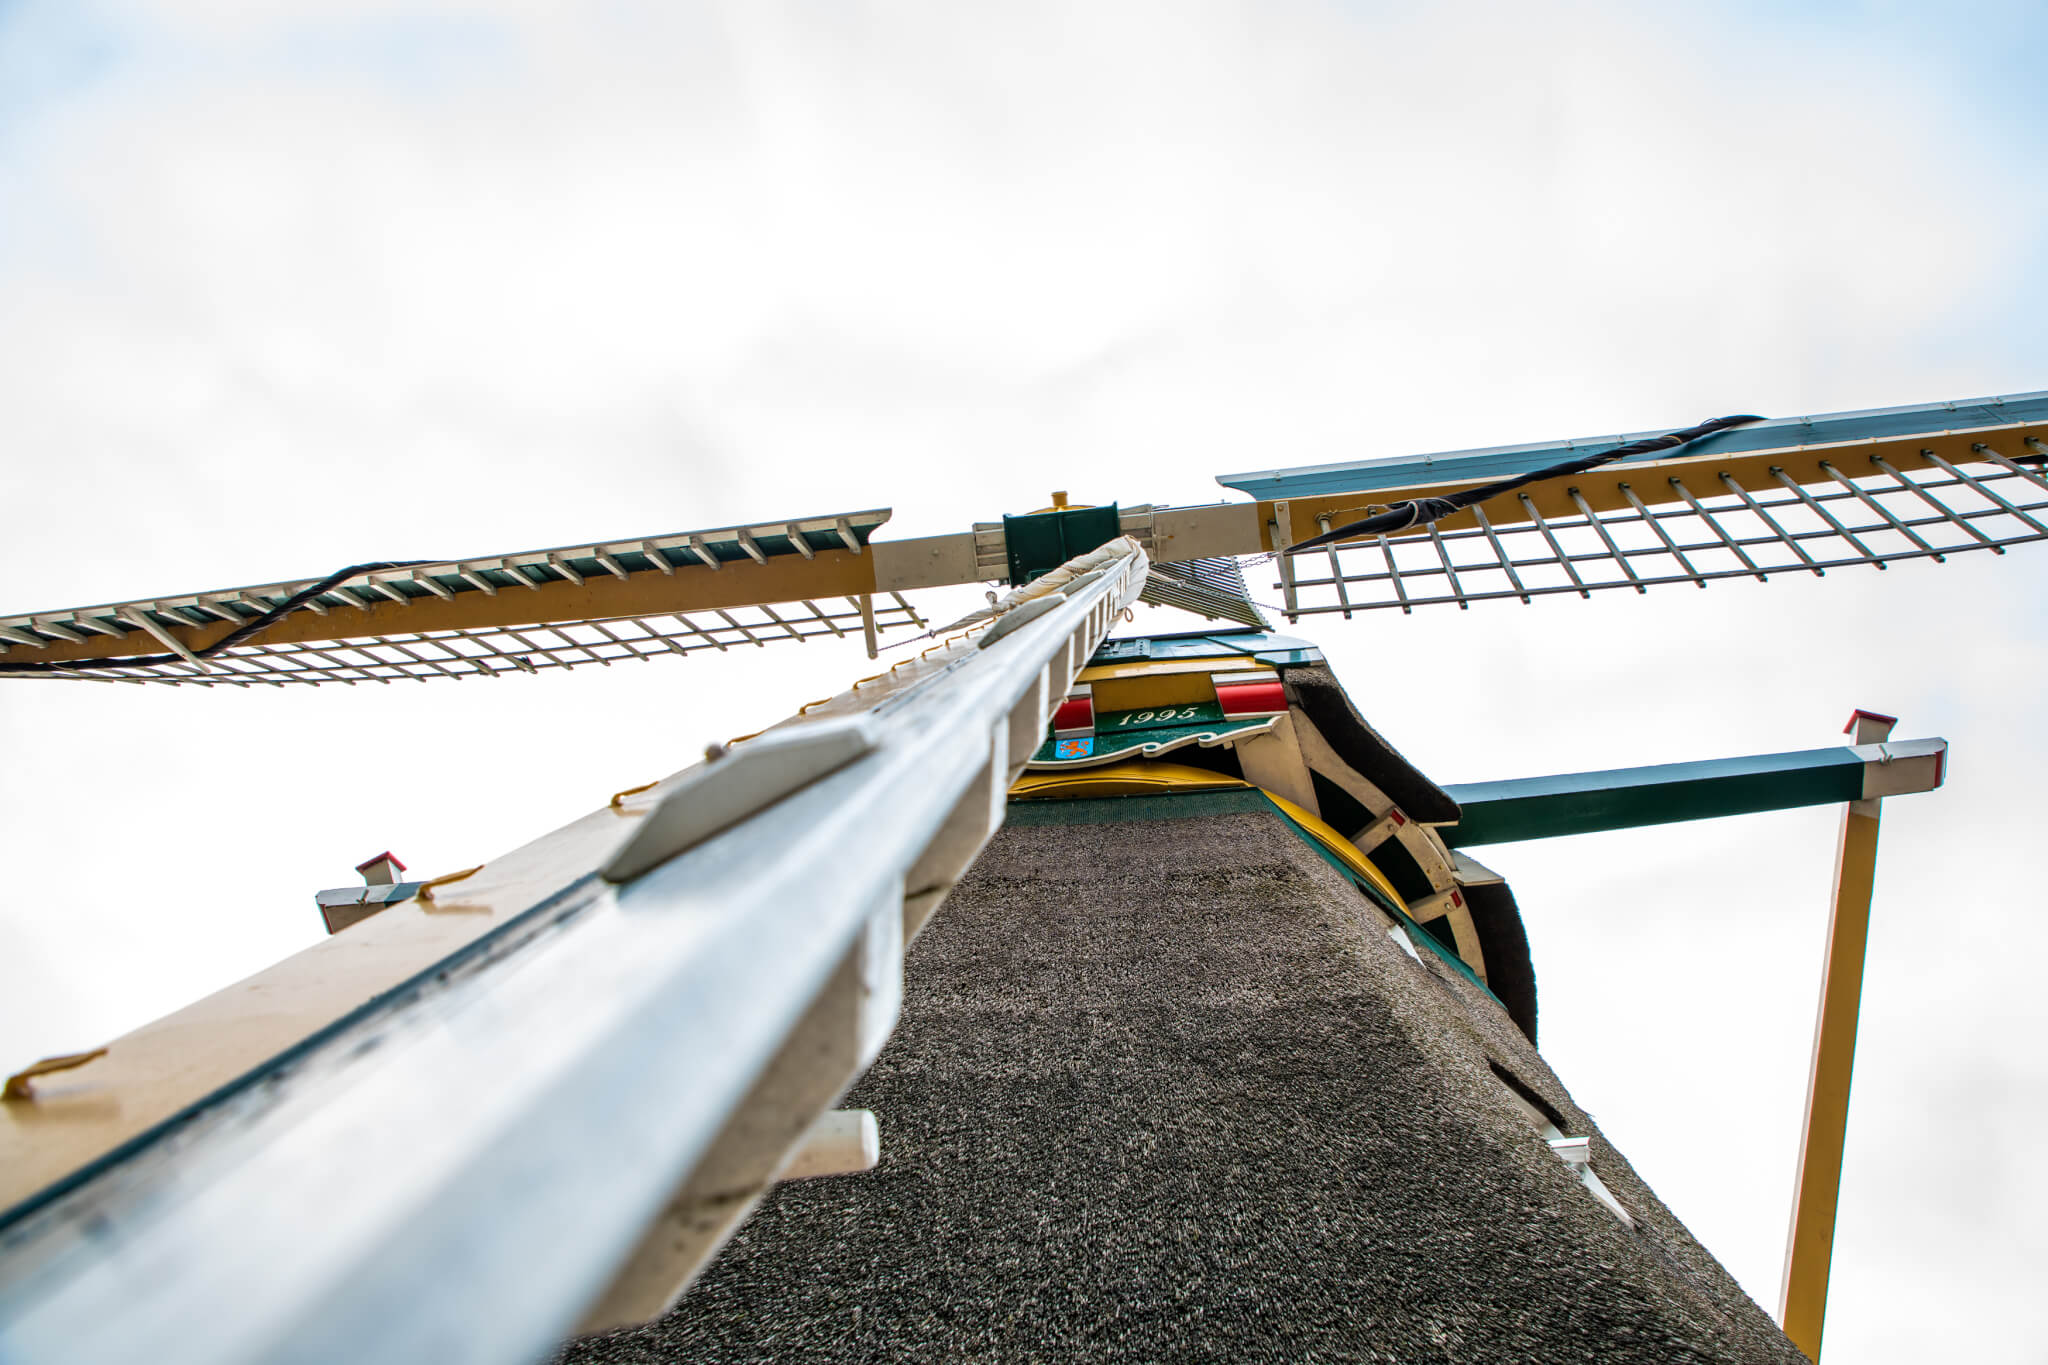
x,y
228,641
1424,511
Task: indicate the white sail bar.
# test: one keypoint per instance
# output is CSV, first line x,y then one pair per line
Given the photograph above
x,y
557,1124
1695,528
604,603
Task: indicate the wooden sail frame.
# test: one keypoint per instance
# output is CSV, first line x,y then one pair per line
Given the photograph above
x,y
1695,519
601,603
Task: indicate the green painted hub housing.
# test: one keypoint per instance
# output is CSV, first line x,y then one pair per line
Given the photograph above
x,y
1042,541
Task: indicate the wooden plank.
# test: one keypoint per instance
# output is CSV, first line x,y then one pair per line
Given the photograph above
x,y
1809,1253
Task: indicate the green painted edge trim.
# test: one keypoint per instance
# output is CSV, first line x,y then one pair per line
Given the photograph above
x,y
1147,743
1163,717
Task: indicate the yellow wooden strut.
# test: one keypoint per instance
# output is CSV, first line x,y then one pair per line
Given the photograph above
x,y
1809,1249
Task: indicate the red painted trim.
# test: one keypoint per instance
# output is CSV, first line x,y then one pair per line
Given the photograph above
x,y
1260,698
366,864
1075,713
1860,714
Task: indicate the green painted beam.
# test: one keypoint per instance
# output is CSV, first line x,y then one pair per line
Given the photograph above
x,y
1623,798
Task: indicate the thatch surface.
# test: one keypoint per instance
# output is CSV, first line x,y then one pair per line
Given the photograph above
x,y
1165,1091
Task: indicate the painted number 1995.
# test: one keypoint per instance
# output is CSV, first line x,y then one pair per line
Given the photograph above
x,y
1154,717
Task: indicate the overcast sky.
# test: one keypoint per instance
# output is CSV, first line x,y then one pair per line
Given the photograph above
x,y
284,288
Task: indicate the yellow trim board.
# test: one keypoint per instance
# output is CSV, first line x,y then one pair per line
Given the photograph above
x,y
1133,777
1164,689
1224,660
1340,847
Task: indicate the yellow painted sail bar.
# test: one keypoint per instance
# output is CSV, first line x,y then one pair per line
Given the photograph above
x,y
1693,519
600,603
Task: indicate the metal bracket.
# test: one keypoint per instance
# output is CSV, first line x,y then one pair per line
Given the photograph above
x,y
747,779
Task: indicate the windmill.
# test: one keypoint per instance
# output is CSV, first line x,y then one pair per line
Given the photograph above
x,y
683,982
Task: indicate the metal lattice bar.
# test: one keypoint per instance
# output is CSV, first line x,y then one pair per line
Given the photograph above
x,y
1909,486
1550,539
1763,515
1874,505
579,646
1670,545
1890,514
1981,491
1506,562
2029,475
744,633
493,651
1788,482
1343,598
1395,574
710,641
829,623
772,616
1605,537
904,606
1442,555
1708,517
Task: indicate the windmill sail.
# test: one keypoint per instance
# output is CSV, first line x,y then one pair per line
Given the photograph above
x,y
1797,495
1792,495
1211,587
600,604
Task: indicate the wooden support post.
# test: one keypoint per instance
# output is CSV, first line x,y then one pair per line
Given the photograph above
x,y
1809,1249
867,624
1283,536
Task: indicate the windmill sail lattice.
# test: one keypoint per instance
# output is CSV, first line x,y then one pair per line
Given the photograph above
x,y
1212,587
1717,526
598,604
1787,495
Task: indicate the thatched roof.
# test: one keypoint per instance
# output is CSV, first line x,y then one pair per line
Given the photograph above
x,y
1165,1090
